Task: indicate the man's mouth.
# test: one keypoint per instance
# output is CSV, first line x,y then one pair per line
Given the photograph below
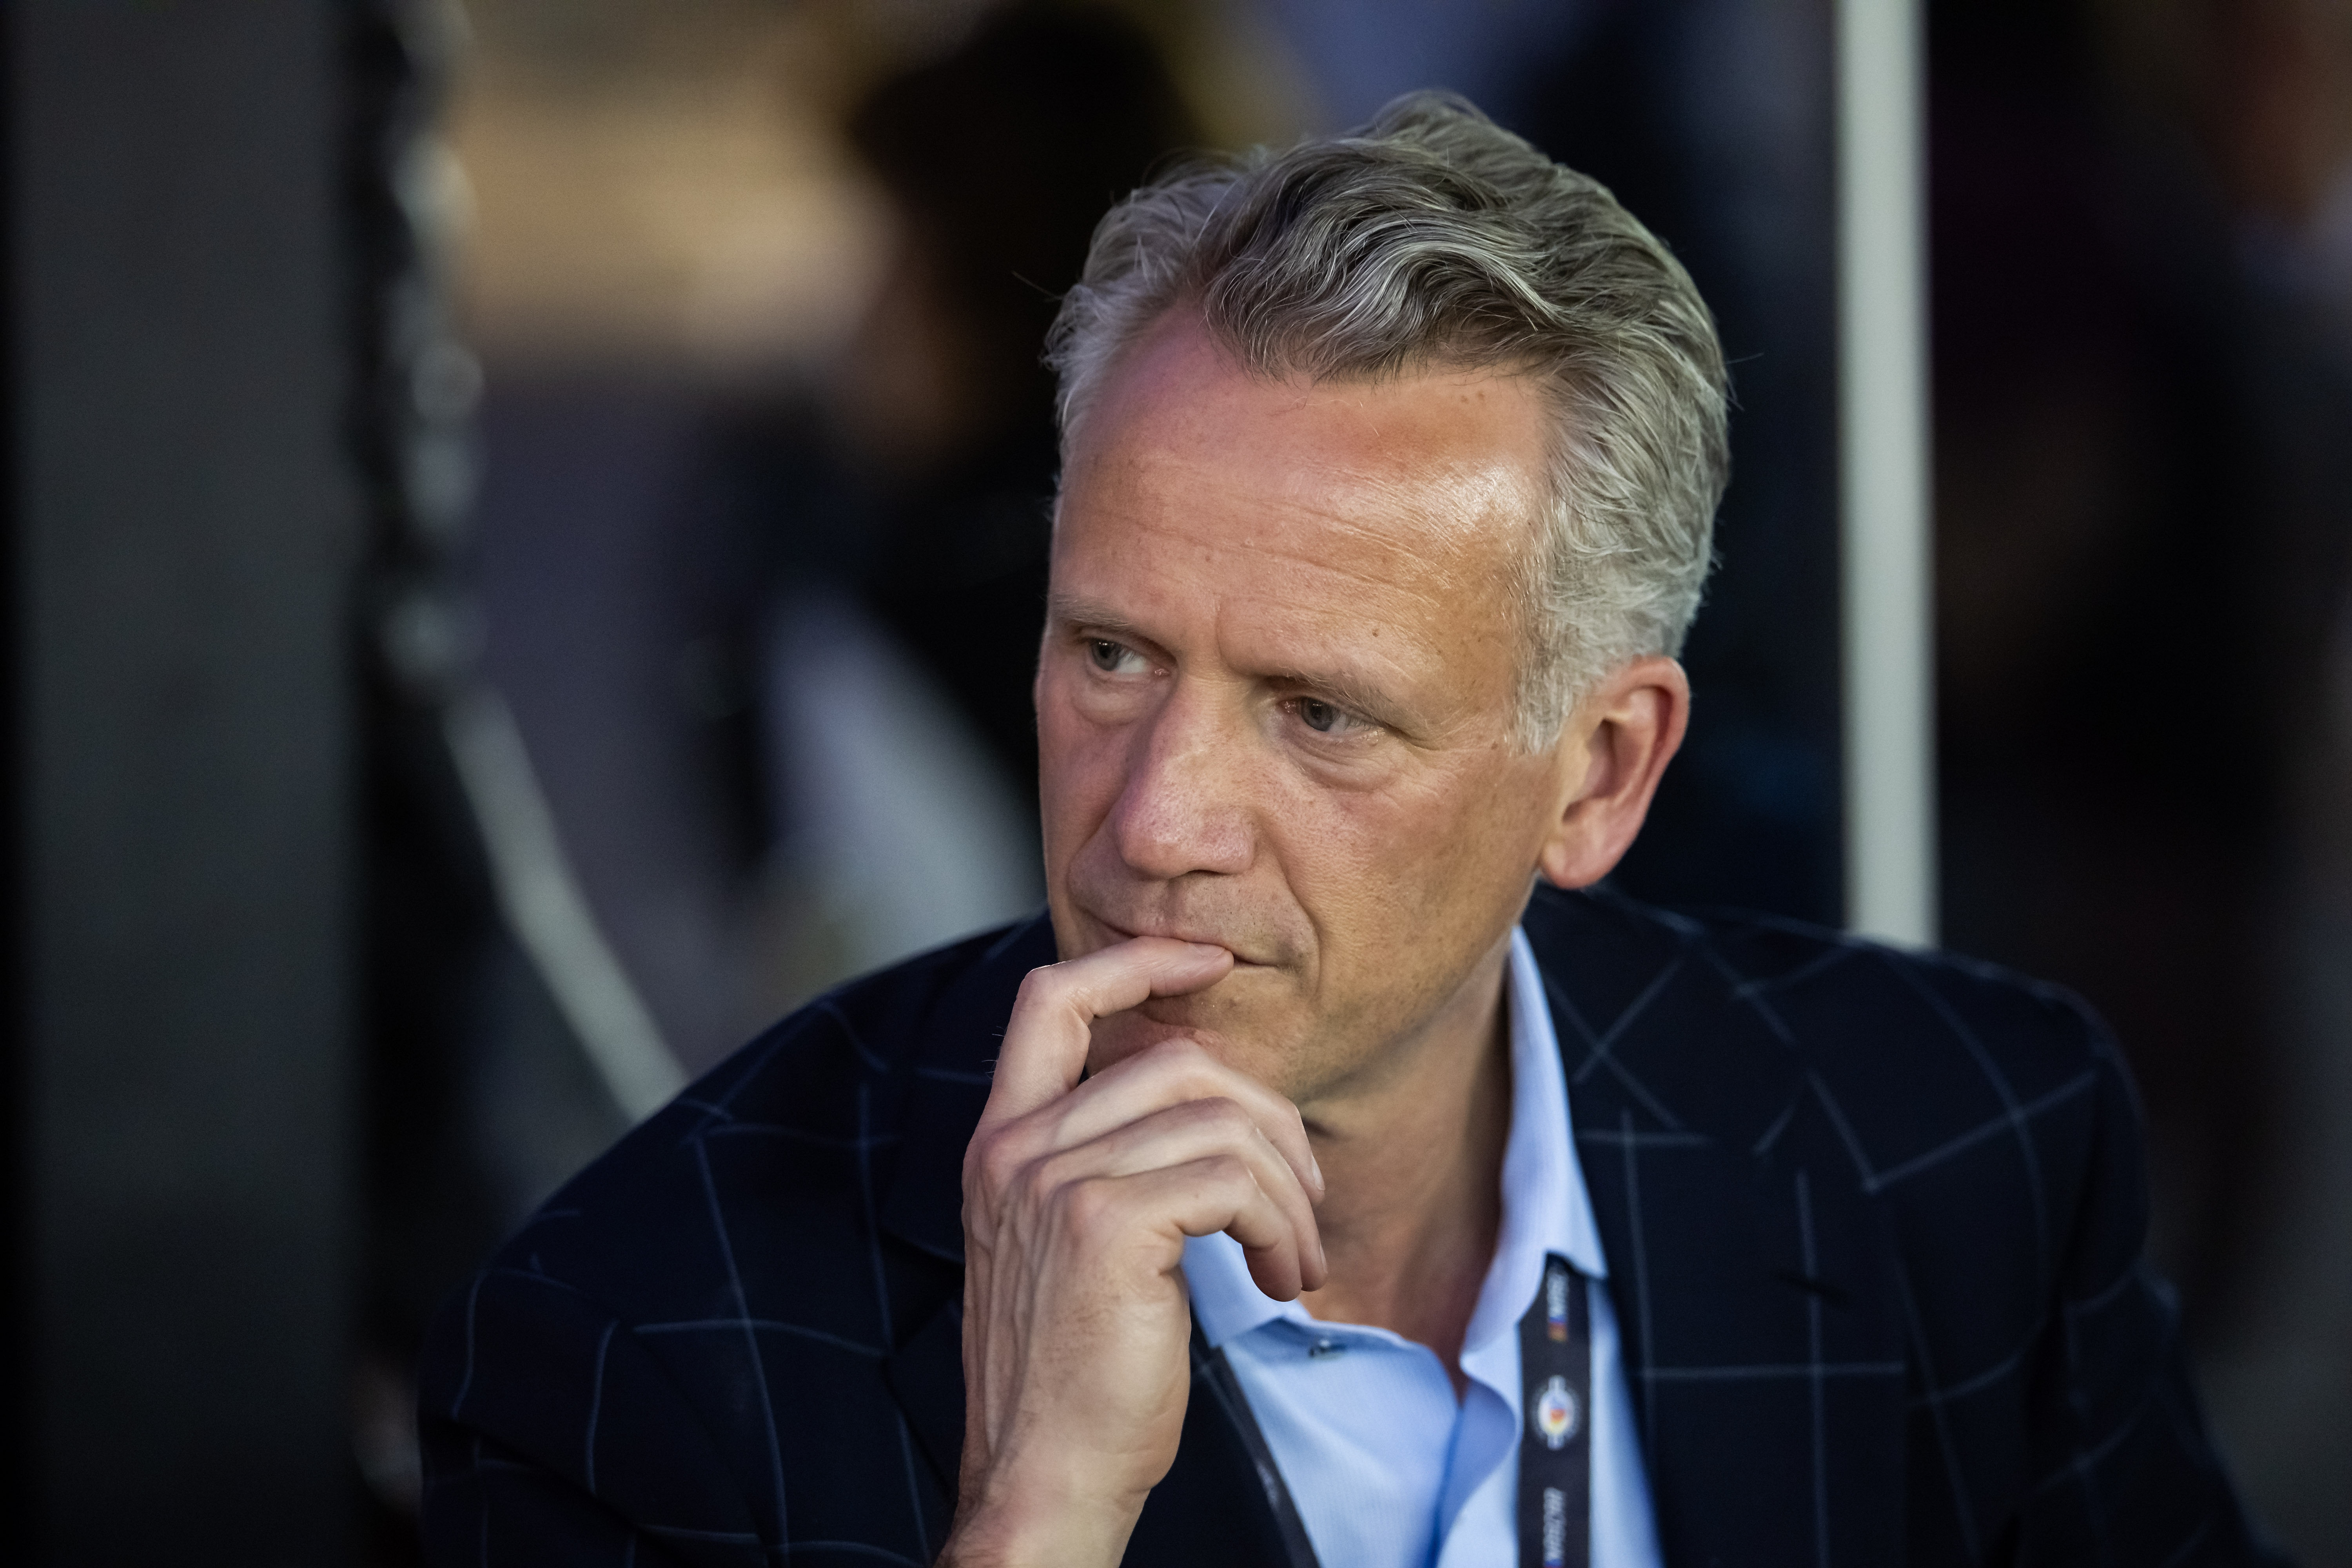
x,y
1242,958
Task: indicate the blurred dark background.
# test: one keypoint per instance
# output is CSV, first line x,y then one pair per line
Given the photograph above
x,y
527,524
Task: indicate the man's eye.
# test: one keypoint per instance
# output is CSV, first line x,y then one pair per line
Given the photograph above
x,y
1321,717
1108,656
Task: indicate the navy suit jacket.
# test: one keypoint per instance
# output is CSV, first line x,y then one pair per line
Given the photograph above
x,y
1874,1224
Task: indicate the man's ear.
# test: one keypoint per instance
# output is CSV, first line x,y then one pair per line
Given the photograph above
x,y
1613,752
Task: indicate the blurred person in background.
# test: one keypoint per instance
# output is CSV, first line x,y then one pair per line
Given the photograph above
x,y
766,623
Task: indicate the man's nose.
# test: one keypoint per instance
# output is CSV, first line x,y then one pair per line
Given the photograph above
x,y
1184,807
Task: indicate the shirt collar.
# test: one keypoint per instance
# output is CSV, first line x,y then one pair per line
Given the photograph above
x,y
1545,1208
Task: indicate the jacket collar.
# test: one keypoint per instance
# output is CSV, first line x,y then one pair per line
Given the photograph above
x,y
1652,1022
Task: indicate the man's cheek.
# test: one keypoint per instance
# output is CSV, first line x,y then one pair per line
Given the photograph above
x,y
1080,779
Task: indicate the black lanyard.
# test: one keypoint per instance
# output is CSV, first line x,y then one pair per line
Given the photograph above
x,y
1555,1439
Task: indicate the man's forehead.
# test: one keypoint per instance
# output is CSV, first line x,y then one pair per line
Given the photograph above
x,y
1436,460
1305,548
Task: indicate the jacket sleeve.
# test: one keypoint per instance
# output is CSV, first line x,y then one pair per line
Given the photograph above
x,y
2122,1469
550,1436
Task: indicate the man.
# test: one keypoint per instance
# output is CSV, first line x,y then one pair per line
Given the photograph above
x,y
1332,1198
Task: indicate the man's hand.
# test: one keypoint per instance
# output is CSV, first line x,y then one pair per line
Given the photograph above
x,y
1077,1201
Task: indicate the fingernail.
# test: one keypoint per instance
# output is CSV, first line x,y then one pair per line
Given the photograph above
x,y
1204,949
1315,1166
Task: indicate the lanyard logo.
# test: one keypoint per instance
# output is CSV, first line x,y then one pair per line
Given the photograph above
x,y
1556,1304
1558,1415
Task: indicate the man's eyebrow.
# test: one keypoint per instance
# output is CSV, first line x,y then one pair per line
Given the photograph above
x,y
1062,610
1066,614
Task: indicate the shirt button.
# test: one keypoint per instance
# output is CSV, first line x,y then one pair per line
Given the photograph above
x,y
1323,1348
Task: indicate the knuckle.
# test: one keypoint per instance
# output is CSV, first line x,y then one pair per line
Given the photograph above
x,y
999,1162
1038,985
1227,1116
1087,1209
1228,1170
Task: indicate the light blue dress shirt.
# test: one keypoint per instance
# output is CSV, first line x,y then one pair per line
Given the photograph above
x,y
1388,1470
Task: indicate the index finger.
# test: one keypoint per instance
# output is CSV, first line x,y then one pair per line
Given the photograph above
x,y
1047,1038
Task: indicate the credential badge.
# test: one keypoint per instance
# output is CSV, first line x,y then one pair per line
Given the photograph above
x,y
1557,1414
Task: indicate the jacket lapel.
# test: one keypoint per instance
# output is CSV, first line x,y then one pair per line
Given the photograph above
x,y
1751,1276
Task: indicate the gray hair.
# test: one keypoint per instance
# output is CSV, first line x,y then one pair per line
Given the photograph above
x,y
1432,238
